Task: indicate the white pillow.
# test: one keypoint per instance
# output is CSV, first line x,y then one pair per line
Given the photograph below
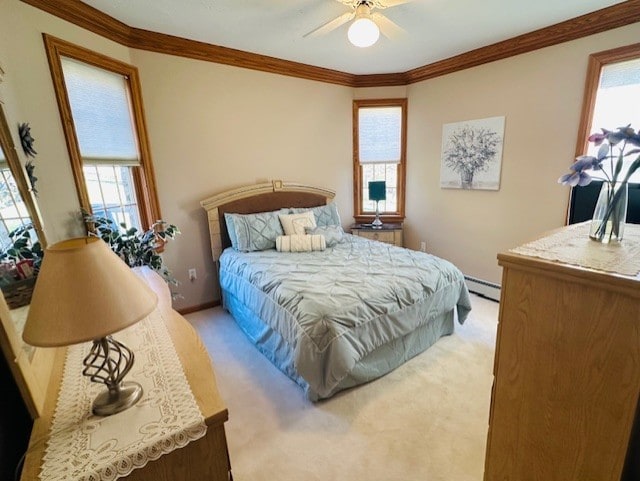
x,y
296,224
300,243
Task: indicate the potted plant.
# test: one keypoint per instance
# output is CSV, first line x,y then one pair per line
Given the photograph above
x,y
19,265
135,248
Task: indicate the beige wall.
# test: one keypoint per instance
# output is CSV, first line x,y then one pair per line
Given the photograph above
x,y
214,127
28,96
399,92
540,94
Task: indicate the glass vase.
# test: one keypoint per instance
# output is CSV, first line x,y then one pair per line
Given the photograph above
x,y
607,224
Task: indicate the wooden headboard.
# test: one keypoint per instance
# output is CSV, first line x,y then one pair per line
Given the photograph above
x,y
254,198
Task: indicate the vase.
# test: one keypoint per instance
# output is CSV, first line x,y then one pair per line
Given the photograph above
x,y
607,224
466,179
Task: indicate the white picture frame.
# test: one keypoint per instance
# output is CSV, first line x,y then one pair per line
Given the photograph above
x,y
472,154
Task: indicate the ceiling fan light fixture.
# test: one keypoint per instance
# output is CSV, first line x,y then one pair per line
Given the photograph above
x,y
363,32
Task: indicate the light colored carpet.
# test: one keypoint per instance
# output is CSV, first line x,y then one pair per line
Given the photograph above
x,y
425,421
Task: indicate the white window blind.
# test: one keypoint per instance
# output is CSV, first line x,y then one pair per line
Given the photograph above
x,y
101,114
379,134
620,74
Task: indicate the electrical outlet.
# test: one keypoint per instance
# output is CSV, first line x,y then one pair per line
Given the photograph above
x,y
192,274
423,246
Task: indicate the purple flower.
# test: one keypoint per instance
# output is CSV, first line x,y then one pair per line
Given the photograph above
x,y
634,139
607,140
576,178
585,162
597,139
623,133
612,150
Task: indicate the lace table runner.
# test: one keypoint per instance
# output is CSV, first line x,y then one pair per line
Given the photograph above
x,y
572,245
91,448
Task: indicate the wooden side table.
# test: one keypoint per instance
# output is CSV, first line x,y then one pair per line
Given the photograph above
x,y
388,233
206,458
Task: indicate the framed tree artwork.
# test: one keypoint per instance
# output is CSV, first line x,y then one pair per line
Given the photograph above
x,y
472,154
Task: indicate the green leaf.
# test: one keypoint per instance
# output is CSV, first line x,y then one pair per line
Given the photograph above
x,y
618,168
134,247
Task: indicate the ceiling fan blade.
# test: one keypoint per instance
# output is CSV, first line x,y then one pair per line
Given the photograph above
x,y
331,25
393,3
388,28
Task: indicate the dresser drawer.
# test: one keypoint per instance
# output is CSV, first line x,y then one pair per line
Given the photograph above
x,y
389,234
382,236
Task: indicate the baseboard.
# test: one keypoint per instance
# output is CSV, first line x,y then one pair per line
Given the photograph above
x,y
199,307
483,288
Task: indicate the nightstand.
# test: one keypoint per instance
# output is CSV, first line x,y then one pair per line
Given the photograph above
x,y
388,233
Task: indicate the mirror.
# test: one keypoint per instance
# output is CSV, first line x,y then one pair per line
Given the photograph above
x,y
20,227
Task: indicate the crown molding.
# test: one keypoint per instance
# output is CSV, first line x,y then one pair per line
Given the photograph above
x,y
100,23
182,47
619,15
380,80
87,17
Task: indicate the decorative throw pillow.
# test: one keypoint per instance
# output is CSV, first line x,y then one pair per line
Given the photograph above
x,y
300,243
231,230
295,224
325,214
333,234
253,232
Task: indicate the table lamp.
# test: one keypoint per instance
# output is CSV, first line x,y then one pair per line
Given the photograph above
x,y
85,292
377,192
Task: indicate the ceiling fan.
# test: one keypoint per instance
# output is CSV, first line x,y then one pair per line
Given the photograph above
x,y
366,28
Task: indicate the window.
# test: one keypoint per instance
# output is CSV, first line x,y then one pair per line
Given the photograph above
x,y
612,100
379,153
617,102
13,211
101,108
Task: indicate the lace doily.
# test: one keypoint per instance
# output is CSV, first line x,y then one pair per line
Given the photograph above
x,y
84,447
572,245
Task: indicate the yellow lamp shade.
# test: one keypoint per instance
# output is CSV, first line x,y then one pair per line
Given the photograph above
x,y
84,292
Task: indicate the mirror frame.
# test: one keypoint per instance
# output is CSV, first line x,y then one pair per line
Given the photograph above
x,y
32,369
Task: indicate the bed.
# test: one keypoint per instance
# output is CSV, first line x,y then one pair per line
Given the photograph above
x,y
335,318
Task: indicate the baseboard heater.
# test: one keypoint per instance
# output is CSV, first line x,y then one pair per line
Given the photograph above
x,y
483,288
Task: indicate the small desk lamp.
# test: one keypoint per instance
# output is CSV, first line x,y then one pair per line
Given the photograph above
x,y
377,192
85,292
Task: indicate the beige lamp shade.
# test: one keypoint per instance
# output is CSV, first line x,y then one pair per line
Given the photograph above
x,y
84,292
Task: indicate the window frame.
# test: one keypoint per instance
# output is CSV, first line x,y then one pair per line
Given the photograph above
x,y
595,65
358,213
24,220
143,176
596,62
20,177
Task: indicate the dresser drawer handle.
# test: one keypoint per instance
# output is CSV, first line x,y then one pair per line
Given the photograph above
x,y
376,236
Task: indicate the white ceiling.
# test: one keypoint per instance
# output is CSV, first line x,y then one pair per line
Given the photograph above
x,y
436,29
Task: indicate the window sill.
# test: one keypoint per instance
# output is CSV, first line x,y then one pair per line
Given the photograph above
x,y
386,218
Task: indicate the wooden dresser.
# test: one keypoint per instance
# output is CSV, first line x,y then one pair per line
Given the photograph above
x,y
567,374
206,458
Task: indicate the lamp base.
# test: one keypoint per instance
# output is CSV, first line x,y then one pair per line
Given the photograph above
x,y
377,223
114,401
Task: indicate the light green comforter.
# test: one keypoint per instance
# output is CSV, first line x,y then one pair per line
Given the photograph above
x,y
330,309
